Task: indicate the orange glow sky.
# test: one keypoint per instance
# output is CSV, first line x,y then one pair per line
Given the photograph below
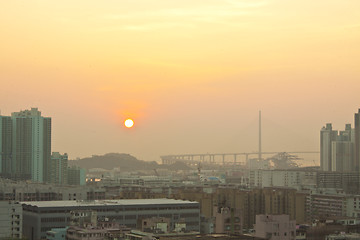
x,y
192,74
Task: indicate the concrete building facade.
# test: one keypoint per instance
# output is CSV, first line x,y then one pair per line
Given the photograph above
x,y
154,224
347,181
228,220
339,151
40,217
25,144
295,178
342,155
11,220
357,141
76,176
275,227
353,206
24,191
6,142
56,234
59,168
327,205
327,136
280,201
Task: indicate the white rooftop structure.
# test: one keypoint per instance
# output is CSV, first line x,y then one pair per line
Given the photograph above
x,y
125,202
42,216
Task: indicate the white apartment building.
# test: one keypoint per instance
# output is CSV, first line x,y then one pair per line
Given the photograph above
x,y
10,220
282,178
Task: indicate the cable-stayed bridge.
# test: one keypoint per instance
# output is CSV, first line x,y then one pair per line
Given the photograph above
x,y
241,158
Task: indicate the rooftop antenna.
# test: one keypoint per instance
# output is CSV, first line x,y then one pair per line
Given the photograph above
x,y
259,135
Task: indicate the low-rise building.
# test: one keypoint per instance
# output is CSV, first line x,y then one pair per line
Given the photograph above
x,y
30,191
343,236
154,224
40,217
275,227
227,220
56,234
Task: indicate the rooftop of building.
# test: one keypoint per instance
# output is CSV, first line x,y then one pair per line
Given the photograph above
x,y
308,169
209,237
121,202
272,217
193,235
27,113
344,236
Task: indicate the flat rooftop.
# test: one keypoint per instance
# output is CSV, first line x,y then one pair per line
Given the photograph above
x,y
121,202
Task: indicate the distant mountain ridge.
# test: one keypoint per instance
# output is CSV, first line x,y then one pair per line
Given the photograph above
x,y
124,161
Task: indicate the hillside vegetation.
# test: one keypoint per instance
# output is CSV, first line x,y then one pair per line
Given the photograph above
x,y
124,161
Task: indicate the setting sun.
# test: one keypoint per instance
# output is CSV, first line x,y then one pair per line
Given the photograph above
x,y
129,123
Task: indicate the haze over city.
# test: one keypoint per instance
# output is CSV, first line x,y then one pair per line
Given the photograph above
x,y
192,75
179,120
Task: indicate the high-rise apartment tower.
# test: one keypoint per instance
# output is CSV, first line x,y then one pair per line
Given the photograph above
x,y
327,136
25,145
357,141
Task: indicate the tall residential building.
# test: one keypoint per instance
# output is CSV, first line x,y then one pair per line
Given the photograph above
x,y
6,141
337,150
327,136
25,145
58,168
357,141
76,176
342,156
342,151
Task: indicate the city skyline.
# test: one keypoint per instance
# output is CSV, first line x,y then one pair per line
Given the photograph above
x,y
193,76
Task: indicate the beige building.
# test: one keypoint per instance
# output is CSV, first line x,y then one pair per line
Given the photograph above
x,y
327,205
275,227
154,225
270,200
280,201
227,220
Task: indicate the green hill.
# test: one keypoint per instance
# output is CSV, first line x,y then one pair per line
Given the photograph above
x,y
124,161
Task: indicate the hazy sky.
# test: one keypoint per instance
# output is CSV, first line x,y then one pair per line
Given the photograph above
x,y
192,74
